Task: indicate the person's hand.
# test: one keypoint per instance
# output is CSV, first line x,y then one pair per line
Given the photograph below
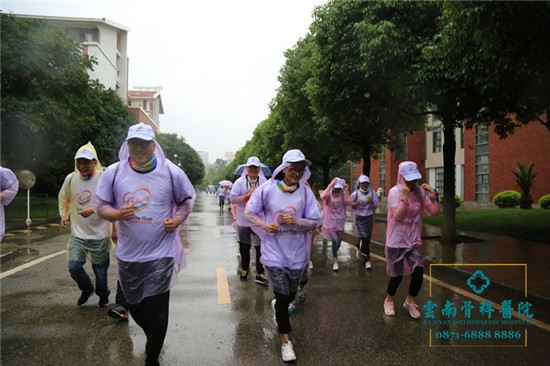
x,y
126,213
346,187
356,203
334,181
428,188
64,222
87,212
170,225
273,227
405,190
369,199
250,192
288,219
114,235
1,197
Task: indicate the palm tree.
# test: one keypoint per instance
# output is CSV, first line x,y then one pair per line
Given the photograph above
x,y
524,179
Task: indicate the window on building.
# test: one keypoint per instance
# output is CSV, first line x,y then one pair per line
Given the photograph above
x,y
383,170
462,137
144,105
401,151
439,179
436,137
482,164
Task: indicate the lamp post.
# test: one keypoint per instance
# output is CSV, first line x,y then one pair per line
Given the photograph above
x,y
26,181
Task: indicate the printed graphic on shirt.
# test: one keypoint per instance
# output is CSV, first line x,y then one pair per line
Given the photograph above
x,y
278,218
83,199
139,199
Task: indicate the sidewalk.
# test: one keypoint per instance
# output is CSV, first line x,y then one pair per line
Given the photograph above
x,y
533,258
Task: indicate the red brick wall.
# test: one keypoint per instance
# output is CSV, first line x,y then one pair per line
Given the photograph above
x,y
530,142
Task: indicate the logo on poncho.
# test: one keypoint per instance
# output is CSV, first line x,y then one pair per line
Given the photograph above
x,y
84,198
139,199
278,216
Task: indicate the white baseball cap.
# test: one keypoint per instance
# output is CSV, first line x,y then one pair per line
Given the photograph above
x,y
253,161
294,156
86,154
410,171
363,178
141,131
339,184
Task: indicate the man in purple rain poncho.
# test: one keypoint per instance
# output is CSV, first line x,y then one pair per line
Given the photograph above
x,y
406,203
9,185
291,214
147,197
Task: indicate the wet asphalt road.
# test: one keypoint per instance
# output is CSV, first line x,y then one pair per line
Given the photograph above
x,y
341,323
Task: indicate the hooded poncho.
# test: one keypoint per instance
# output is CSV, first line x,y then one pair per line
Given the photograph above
x,y
9,186
334,212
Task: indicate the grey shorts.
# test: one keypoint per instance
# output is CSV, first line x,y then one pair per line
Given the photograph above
x,y
245,235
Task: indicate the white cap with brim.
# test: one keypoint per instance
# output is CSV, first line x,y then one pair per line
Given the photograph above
x,y
253,161
338,184
86,154
410,172
141,131
295,156
363,178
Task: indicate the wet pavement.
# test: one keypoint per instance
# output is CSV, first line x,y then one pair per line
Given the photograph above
x,y
341,322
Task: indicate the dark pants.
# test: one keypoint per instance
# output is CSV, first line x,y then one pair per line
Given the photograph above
x,y
151,314
414,286
120,299
76,269
281,312
244,249
364,248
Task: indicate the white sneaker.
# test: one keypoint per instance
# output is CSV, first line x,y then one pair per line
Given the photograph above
x,y
367,265
357,253
291,307
310,265
288,352
335,267
274,314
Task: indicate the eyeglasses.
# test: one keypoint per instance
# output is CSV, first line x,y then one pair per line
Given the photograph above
x,y
296,171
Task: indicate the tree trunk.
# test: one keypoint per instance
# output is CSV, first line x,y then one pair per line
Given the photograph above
x,y
448,230
366,158
325,165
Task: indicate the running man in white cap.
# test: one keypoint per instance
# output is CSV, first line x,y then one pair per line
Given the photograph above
x,y
148,198
90,234
251,178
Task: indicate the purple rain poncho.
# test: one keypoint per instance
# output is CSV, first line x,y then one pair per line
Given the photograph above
x,y
364,209
149,259
287,250
334,212
241,187
403,234
9,185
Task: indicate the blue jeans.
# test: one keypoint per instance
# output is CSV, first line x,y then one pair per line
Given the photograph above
x,y
335,247
78,274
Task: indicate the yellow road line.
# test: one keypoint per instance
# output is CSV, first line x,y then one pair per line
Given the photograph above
x,y
30,264
223,287
477,298
217,233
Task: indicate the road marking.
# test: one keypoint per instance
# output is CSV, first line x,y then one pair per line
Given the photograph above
x,y
223,287
30,264
477,298
217,233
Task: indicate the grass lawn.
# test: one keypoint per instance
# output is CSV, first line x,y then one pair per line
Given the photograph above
x,y
532,225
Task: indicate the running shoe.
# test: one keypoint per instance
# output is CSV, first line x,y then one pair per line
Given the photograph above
x,y
335,267
244,275
302,295
84,296
118,312
310,265
103,301
388,308
357,253
261,279
288,352
291,307
412,308
367,265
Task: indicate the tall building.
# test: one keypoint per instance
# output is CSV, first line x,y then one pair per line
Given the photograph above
x,y
483,162
229,156
204,157
102,39
146,104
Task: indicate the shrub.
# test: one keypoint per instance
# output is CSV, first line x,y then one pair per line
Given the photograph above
x,y
507,199
458,200
544,202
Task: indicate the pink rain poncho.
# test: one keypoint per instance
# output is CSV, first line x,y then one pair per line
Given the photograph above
x,y
334,212
9,185
241,187
403,234
149,258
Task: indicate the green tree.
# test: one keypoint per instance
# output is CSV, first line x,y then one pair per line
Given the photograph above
x,y
524,179
180,153
49,105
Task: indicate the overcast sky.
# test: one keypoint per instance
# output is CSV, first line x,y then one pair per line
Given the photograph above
x,y
217,61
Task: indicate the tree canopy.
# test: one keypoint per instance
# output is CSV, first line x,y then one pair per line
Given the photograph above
x,y
180,153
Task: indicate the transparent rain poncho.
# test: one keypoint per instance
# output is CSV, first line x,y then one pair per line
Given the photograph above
x,y
90,236
9,185
364,209
241,187
285,253
148,258
403,234
334,212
